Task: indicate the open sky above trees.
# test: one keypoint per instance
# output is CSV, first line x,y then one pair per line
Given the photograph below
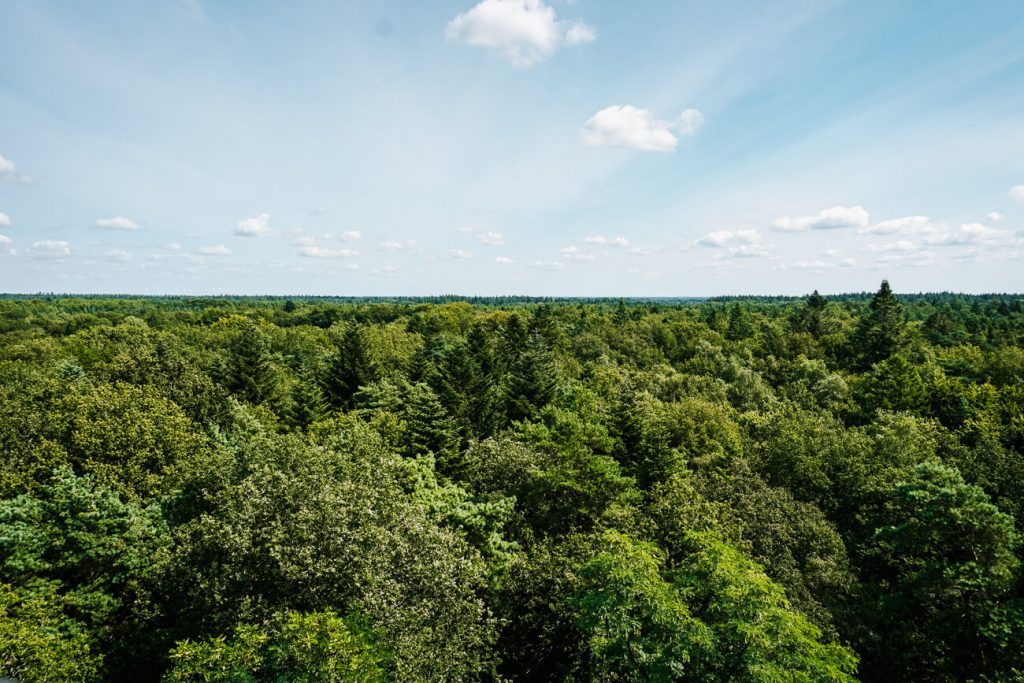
x,y
549,147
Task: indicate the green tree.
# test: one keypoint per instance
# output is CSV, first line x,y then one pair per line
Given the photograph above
x,y
97,551
894,384
303,648
882,331
323,523
250,371
755,635
39,643
637,625
941,575
349,368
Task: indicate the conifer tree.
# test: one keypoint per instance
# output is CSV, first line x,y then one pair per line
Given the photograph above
x,y
533,382
429,427
881,332
348,369
250,372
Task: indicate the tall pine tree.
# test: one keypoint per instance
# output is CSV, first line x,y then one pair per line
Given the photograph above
x,y
882,332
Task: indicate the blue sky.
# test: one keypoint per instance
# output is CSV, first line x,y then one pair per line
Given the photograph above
x,y
511,146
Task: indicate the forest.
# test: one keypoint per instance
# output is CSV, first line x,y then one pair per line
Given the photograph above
x,y
300,489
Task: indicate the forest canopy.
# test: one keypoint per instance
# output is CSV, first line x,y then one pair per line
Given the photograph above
x,y
747,489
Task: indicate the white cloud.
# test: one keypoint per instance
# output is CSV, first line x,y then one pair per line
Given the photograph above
x,y
736,243
214,250
118,255
523,32
611,241
351,236
386,270
836,218
548,265
749,251
973,234
172,246
573,253
629,126
810,265
461,254
729,238
5,245
580,34
898,246
689,122
503,260
118,223
258,226
395,245
9,173
1016,193
5,220
315,251
351,266
50,249
848,263
491,239
995,216
909,225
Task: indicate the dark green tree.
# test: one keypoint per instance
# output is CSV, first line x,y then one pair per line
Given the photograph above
x,y
881,332
250,371
894,384
348,369
941,574
534,380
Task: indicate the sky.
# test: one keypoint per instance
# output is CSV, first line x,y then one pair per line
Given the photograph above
x,y
536,147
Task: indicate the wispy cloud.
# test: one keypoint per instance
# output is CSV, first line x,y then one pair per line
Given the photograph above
x,y
909,225
491,239
396,245
214,250
47,249
118,223
461,254
9,173
1016,193
316,251
5,220
609,241
729,238
574,253
735,243
836,218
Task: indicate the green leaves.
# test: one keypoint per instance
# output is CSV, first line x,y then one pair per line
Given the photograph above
x,y
38,643
299,648
941,569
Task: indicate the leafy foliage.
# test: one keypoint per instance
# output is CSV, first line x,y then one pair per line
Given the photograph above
x,y
746,489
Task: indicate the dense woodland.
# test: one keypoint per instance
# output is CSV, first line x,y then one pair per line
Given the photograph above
x,y
298,489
